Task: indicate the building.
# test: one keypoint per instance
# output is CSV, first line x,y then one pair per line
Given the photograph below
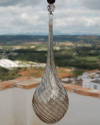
x,y
95,84
79,77
32,47
75,54
67,69
56,48
79,82
8,64
97,75
86,82
88,74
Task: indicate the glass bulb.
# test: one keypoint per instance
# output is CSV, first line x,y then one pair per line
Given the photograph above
x,y
50,101
51,8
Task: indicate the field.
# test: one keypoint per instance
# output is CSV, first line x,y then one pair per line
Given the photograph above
x,y
80,52
38,72
33,43
67,43
8,75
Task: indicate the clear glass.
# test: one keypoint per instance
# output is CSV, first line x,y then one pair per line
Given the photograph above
x,y
50,101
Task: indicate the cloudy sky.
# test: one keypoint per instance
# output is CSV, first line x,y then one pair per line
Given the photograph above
x,y
31,17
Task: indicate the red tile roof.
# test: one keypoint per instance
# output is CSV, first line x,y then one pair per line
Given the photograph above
x,y
92,71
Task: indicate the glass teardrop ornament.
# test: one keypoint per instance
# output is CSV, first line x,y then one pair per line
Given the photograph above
x,y
50,101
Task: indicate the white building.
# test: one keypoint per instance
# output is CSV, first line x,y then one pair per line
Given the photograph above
x,y
6,63
86,82
75,54
56,48
97,75
89,74
79,77
95,84
65,80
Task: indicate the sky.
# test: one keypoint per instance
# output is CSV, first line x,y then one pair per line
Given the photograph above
x,y
71,17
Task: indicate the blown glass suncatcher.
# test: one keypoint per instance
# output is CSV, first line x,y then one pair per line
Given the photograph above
x,y
50,101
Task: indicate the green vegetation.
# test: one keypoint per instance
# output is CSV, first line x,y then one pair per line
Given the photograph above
x,y
77,72
8,75
86,58
8,40
87,49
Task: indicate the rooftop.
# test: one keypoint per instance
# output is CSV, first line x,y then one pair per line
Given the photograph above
x,y
98,72
96,81
92,71
6,63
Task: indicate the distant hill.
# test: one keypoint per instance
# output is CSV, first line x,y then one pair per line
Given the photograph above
x,y
57,38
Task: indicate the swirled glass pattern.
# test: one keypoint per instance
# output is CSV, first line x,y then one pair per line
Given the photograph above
x,y
50,101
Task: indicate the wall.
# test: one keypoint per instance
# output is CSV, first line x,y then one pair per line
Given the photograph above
x,y
82,111
92,85
86,83
85,75
16,105
20,106
24,114
97,75
31,117
6,107
16,101
79,77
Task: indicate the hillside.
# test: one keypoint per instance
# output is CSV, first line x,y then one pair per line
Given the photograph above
x,y
19,39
